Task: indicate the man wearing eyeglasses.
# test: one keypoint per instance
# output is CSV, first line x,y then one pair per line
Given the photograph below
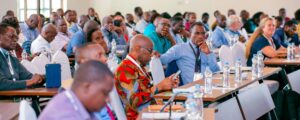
x,y
193,56
161,37
13,75
133,83
287,34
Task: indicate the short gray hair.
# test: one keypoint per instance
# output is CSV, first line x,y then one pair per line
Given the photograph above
x,y
233,19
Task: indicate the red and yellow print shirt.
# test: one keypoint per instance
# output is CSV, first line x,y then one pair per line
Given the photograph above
x,y
134,87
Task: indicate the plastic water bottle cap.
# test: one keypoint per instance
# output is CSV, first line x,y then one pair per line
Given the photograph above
x,y
190,96
197,86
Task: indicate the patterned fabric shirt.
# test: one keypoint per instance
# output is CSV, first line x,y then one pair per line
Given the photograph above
x,y
134,87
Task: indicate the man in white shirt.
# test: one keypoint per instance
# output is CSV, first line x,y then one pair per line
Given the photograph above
x,y
62,38
142,24
42,42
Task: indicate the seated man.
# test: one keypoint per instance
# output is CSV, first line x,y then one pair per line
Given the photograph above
x,y
287,34
79,38
13,75
109,33
161,37
218,36
42,42
62,38
234,25
193,56
133,83
89,92
142,23
79,25
177,28
93,51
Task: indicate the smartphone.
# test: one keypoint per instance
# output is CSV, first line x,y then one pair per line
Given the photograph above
x,y
176,74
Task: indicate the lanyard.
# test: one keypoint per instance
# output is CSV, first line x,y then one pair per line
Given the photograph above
x,y
271,42
136,64
72,100
10,67
196,57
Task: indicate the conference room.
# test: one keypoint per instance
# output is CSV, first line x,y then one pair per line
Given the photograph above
x,y
149,60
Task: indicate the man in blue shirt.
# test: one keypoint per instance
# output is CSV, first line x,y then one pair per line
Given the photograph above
x,y
79,26
79,38
287,34
193,56
218,36
176,29
161,37
29,31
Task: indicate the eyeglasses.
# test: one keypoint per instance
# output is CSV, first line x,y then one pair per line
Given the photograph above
x,y
149,50
12,36
165,24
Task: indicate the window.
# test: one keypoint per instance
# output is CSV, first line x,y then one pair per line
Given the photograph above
x,y
45,7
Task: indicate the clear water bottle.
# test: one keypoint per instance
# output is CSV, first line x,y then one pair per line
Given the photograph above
x,y
238,71
226,72
260,63
113,46
208,81
254,66
194,107
289,52
24,55
293,51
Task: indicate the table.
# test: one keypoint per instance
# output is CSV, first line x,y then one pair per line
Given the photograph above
x,y
41,92
282,62
34,94
218,92
9,111
209,113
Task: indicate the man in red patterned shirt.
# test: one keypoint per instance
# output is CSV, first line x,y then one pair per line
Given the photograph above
x,y
133,83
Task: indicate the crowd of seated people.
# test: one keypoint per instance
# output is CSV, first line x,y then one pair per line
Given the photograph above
x,y
181,38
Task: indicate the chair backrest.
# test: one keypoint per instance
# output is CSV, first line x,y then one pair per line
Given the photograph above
x,y
157,70
40,62
256,101
116,104
30,66
238,52
225,55
61,58
294,82
26,111
229,110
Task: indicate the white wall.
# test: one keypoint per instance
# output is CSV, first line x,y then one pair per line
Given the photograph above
x,y
8,5
199,6
106,7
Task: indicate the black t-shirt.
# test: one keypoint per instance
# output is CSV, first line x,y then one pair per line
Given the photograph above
x,y
258,45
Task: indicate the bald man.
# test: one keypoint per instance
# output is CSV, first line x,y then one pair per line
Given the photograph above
x,y
90,51
42,43
29,27
79,38
79,25
161,37
133,83
89,93
63,36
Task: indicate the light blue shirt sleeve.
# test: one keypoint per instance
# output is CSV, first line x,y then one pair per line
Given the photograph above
x,y
218,38
172,54
212,62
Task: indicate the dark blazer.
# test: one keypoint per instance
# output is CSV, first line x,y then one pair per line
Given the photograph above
x,y
96,19
279,36
6,79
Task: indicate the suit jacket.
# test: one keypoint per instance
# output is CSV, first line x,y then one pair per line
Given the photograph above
x,y
95,19
6,79
279,35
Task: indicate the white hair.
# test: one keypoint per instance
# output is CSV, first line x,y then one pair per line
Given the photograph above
x,y
233,19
